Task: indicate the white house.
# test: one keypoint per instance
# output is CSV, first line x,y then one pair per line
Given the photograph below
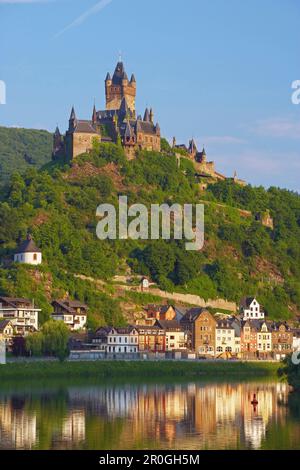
x,y
176,337
251,310
117,340
228,337
21,312
28,253
71,312
264,339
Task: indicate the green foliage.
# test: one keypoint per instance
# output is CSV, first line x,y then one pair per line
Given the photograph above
x,y
240,256
52,340
15,143
291,372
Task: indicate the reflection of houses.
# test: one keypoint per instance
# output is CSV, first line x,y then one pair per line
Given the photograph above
x,y
73,428
18,428
200,326
21,312
71,312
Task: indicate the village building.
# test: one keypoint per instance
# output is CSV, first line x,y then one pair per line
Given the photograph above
x,y
6,331
144,284
175,335
112,340
28,253
200,326
72,313
151,339
22,314
250,309
117,123
249,338
264,340
228,338
160,312
282,340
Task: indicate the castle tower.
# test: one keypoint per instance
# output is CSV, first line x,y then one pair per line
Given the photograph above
x,y
119,87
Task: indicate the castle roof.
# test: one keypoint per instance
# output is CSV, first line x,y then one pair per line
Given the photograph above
x,y
124,109
108,77
119,74
133,80
147,115
84,127
73,114
57,132
27,246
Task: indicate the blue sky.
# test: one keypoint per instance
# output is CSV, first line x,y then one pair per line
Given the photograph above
x,y
218,70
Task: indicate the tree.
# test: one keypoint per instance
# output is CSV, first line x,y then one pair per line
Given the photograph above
x,y
34,344
55,339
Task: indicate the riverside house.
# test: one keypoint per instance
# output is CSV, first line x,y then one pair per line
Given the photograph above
x,y
175,335
200,327
71,312
6,331
282,340
21,312
116,340
228,338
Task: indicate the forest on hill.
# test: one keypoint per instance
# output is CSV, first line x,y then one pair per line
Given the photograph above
x,y
57,204
21,149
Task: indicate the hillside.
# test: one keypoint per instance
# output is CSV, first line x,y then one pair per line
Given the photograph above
x,y
23,148
58,205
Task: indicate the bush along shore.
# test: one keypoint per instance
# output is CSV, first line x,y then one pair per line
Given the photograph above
x,y
140,369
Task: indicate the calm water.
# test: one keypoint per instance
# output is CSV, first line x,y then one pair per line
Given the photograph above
x,y
146,416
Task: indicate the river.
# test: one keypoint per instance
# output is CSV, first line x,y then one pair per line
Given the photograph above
x,y
190,415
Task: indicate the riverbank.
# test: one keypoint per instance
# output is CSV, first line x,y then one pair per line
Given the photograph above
x,y
127,369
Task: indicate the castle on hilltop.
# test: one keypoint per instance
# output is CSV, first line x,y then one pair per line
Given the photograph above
x,y
117,123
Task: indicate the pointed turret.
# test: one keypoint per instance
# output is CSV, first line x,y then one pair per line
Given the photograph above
x,y
157,129
151,115
124,110
73,114
108,77
147,115
128,131
94,115
72,120
138,126
57,132
133,80
192,147
203,155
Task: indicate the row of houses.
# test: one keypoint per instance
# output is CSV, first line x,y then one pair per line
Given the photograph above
x,y
164,330
198,332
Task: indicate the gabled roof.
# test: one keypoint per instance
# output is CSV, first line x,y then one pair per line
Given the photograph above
x,y
170,325
70,305
85,127
193,313
15,301
119,74
27,246
3,324
247,301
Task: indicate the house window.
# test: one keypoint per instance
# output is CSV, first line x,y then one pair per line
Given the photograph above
x,y
35,257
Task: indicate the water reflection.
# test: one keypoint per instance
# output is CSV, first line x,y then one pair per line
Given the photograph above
x,y
174,416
